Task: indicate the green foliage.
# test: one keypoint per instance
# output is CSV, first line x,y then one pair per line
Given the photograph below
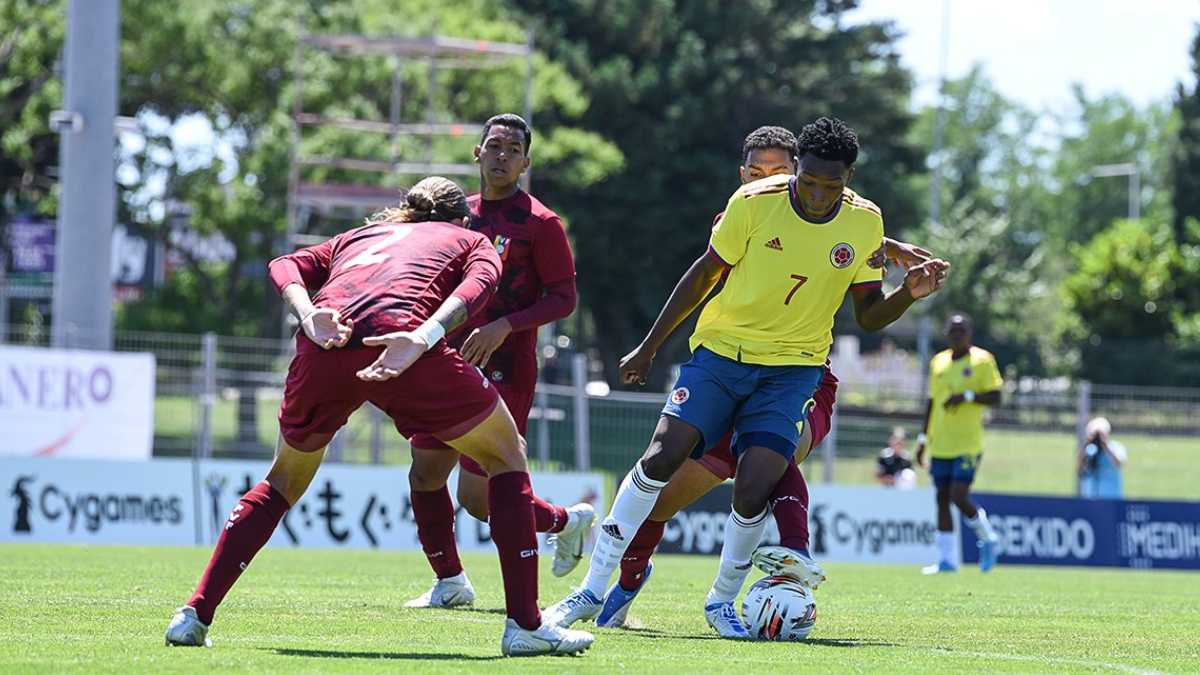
x,y
677,85
1185,159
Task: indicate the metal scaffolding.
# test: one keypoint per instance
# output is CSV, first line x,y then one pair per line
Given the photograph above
x,y
438,54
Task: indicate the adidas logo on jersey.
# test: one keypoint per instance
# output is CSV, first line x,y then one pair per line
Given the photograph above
x,y
775,244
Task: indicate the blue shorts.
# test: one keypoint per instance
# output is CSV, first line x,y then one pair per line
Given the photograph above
x,y
765,405
957,470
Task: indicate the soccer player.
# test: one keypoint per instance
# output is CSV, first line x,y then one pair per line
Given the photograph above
x,y
963,381
400,282
793,246
766,151
537,287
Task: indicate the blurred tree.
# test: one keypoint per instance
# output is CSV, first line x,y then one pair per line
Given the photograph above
x,y
677,85
1185,160
29,89
995,206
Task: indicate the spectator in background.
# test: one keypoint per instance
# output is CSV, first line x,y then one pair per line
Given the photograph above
x,y
1100,462
894,466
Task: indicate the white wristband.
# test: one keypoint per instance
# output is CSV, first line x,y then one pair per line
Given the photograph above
x,y
430,332
969,396
921,439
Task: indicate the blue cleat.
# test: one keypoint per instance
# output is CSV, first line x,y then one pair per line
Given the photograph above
x,y
942,567
987,555
617,601
580,605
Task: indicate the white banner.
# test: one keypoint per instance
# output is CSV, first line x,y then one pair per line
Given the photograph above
x,y
97,501
73,403
154,502
846,524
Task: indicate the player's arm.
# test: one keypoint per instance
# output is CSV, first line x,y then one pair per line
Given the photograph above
x,y
481,275
555,266
693,287
293,275
987,388
874,310
902,253
922,437
988,398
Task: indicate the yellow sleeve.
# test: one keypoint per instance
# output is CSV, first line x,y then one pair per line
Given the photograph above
x,y
731,233
865,274
989,375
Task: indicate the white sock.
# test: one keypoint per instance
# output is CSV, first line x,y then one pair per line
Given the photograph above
x,y
945,543
981,526
634,501
741,538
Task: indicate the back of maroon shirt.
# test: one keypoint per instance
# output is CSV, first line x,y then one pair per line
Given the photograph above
x,y
393,276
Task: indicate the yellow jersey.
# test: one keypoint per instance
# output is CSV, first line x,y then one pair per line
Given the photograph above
x,y
959,432
788,275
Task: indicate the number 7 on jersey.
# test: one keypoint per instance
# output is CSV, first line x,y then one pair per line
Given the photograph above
x,y
799,282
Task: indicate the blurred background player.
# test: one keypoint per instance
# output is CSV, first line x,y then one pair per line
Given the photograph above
x,y
792,247
963,381
400,286
1100,462
766,151
893,467
537,287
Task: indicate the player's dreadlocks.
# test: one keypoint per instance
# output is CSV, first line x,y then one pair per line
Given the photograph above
x,y
829,138
433,198
769,138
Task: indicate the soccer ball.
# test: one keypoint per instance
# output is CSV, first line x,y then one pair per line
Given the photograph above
x,y
779,608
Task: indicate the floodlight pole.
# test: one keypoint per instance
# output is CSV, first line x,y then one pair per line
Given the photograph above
x,y
82,301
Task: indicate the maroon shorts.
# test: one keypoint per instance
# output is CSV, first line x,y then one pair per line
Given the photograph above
x,y
518,398
720,462
441,394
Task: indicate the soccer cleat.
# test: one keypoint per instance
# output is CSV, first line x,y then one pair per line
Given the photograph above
x,y
547,639
778,561
185,630
724,619
580,605
987,555
941,568
617,601
568,544
455,591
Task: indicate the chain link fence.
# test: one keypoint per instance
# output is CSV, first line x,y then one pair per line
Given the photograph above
x,y
219,397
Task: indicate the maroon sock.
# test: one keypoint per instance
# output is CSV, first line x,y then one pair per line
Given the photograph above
x,y
790,504
548,517
434,513
637,556
248,528
510,514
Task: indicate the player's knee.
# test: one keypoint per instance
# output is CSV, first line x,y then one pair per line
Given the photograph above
x,y
420,479
750,500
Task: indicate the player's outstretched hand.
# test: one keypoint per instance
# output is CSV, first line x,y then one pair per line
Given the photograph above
x,y
635,365
926,278
400,350
325,327
904,254
484,340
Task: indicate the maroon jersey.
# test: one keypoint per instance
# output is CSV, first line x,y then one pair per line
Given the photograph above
x,y
533,248
390,277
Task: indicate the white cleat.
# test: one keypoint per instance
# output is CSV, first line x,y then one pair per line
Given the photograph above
x,y
450,592
724,619
568,544
185,630
580,605
783,561
547,639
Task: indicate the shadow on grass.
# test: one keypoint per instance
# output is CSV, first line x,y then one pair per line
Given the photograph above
x,y
397,656
848,642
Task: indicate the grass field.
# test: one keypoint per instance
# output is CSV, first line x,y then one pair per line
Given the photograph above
x,y
65,608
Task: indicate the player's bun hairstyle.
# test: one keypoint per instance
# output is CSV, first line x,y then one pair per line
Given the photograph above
x,y
830,139
769,138
512,122
433,198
